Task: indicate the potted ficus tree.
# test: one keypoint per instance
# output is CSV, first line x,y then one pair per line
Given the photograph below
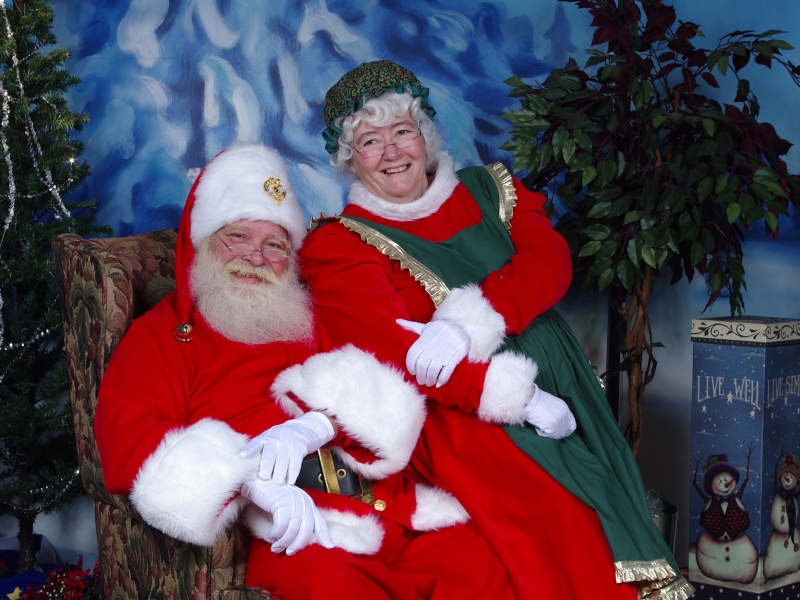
x,y
653,172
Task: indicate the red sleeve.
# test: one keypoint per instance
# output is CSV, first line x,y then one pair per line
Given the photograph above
x,y
359,293
539,273
142,396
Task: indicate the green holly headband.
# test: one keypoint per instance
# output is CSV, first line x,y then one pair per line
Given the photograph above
x,y
368,80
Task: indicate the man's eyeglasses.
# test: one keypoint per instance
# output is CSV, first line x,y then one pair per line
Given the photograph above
x,y
274,249
375,147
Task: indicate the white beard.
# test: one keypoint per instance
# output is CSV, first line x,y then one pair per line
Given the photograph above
x,y
278,309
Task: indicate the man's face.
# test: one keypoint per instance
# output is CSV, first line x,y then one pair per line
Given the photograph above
x,y
271,241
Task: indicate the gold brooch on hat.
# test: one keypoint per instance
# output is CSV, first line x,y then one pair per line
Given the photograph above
x,y
274,188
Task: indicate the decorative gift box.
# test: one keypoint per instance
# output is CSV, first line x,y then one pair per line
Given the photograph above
x,y
744,537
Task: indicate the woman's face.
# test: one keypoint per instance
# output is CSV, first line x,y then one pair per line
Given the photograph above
x,y
397,175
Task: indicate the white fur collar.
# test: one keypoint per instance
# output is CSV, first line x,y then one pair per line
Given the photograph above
x,y
444,182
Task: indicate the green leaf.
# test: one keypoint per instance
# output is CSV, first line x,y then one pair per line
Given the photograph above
x,y
589,249
763,48
696,254
580,161
704,188
605,279
765,175
609,71
734,210
712,59
613,123
625,274
780,44
582,139
672,241
568,150
599,210
739,48
559,137
658,120
722,64
776,189
708,125
589,173
772,221
606,171
514,81
661,256
620,206
635,251
648,255
539,105
632,216
609,192
596,232
722,183
543,156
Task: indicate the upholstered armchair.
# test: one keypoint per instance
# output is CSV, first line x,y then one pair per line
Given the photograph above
x,y
104,284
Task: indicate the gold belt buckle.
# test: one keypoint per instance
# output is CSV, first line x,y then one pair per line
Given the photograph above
x,y
331,481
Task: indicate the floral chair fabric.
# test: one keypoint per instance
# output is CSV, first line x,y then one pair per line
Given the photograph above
x,y
104,284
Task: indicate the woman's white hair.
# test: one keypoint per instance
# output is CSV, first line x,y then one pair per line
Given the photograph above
x,y
380,112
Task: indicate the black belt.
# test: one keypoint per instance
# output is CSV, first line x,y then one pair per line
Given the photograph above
x,y
323,471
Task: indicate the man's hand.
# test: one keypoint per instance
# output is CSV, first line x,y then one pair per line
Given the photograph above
x,y
284,446
440,347
295,518
550,416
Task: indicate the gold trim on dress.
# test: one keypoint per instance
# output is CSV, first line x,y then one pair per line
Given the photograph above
x,y
655,579
436,288
505,188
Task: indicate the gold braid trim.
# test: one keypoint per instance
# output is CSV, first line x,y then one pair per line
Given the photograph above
x,y
639,570
680,589
505,187
655,579
436,288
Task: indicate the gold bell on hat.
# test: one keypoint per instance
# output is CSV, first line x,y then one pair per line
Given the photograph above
x,y
274,188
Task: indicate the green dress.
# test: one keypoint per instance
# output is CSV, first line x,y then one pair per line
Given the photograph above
x,y
594,463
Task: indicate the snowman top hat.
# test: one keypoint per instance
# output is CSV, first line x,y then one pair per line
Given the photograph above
x,y
790,465
714,465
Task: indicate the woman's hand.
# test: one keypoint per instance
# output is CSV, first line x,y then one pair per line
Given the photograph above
x,y
440,347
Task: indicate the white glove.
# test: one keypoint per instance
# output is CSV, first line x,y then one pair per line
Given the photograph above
x,y
440,347
284,446
295,518
549,415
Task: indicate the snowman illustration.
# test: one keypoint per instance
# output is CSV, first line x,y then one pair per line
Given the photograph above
x,y
724,551
783,548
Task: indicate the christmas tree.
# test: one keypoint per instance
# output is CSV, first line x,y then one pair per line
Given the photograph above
x,y
38,169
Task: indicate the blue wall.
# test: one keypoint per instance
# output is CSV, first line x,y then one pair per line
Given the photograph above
x,y
169,83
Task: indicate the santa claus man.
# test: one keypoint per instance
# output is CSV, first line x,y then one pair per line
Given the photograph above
x,y
218,401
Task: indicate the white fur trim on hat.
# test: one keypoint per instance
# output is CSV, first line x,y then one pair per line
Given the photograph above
x,y
231,188
188,487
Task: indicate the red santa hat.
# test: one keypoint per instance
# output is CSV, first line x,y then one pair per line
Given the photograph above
x,y
246,182
242,182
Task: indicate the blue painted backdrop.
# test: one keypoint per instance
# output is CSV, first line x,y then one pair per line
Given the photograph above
x,y
169,83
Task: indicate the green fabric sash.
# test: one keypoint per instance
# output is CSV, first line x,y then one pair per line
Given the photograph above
x,y
595,462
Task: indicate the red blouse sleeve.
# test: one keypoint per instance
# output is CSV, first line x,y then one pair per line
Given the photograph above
x,y
539,273
359,294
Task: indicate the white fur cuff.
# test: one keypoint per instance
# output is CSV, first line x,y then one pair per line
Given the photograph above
x,y
370,400
188,486
468,308
507,388
357,535
436,509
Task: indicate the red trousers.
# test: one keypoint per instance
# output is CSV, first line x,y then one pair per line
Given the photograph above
x,y
550,543
451,563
